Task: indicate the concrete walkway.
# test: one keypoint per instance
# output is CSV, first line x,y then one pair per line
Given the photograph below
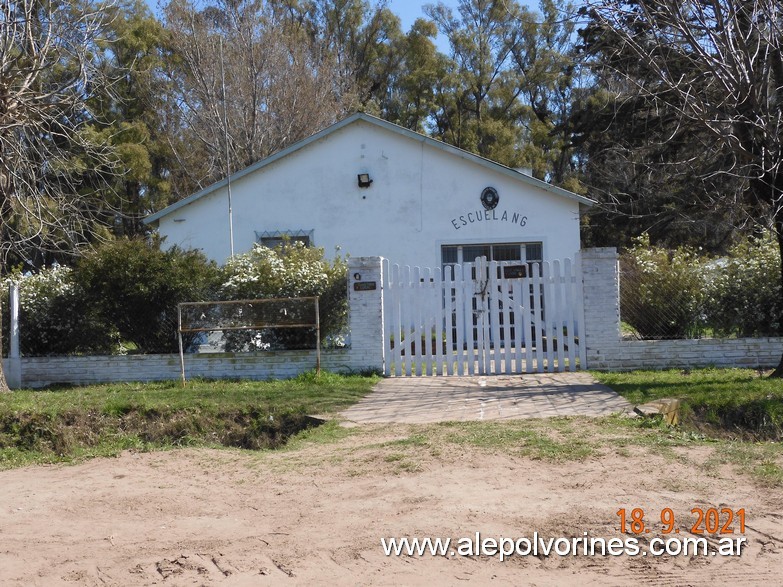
x,y
419,400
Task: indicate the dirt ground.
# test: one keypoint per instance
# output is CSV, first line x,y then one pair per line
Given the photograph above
x,y
316,515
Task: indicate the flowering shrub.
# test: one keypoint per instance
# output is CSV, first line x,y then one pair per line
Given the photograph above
x,y
678,294
744,296
289,270
126,293
661,291
56,320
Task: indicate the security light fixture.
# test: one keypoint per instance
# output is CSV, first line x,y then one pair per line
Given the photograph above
x,y
364,180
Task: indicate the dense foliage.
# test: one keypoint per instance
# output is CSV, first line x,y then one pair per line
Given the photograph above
x,y
55,317
135,286
661,291
744,295
683,293
123,297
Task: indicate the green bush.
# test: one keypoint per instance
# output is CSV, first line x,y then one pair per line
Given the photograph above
x,y
744,295
134,286
680,294
661,291
55,318
124,294
288,270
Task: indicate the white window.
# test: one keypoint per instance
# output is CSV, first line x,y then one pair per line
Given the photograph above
x,y
522,252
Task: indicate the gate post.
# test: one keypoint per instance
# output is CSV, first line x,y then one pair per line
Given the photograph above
x,y
14,373
365,312
601,283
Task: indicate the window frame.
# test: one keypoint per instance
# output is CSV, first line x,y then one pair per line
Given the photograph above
x,y
523,252
276,238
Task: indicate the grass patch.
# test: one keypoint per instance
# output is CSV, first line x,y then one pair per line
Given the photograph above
x,y
717,401
409,448
738,411
329,433
762,460
66,423
769,473
525,438
315,394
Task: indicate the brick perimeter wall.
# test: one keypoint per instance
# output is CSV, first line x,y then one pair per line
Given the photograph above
x,y
627,355
41,371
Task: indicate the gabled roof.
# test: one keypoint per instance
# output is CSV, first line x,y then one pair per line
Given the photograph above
x,y
456,151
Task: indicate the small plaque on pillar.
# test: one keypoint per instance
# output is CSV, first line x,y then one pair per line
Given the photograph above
x,y
365,286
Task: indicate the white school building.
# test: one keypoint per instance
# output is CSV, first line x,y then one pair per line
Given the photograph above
x,y
367,187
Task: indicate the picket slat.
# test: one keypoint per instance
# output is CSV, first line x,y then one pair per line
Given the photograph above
x,y
536,303
448,291
509,349
548,311
570,339
406,311
438,325
433,326
520,324
493,319
419,302
527,314
424,340
459,315
394,297
486,341
470,315
559,317
478,315
486,333
580,312
397,293
546,315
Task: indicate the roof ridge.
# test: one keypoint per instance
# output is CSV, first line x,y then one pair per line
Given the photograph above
x,y
379,122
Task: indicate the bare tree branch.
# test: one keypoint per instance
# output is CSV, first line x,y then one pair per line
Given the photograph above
x,y
51,159
715,68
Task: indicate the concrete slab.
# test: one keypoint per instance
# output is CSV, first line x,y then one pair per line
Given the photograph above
x,y
419,400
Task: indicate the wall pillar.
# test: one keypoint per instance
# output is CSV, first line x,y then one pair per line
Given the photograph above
x,y
601,283
13,373
365,312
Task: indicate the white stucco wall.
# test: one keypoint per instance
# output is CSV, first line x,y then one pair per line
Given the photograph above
x,y
421,198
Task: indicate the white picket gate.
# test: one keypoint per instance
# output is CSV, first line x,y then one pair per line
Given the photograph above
x,y
483,318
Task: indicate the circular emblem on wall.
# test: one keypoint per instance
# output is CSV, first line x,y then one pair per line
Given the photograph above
x,y
489,198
